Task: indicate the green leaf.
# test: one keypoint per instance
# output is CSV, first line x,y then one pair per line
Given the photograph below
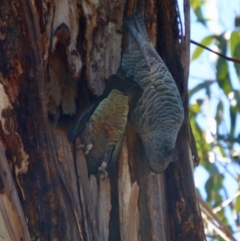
x,y
222,150
213,185
223,76
237,97
200,18
210,167
235,49
237,21
222,43
206,42
202,146
222,68
233,115
196,6
196,3
195,108
234,110
219,112
234,41
201,86
237,204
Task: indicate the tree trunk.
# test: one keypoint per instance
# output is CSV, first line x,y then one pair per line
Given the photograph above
x,y
54,56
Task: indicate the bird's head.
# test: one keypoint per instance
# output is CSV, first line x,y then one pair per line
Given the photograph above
x,y
159,153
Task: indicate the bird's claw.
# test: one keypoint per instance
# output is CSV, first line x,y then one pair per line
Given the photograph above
x,y
102,170
88,148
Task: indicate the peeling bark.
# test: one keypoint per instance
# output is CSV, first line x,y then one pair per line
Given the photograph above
x,y
11,209
54,56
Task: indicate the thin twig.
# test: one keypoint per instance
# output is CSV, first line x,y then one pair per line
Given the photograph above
x,y
193,146
237,61
226,202
210,217
217,229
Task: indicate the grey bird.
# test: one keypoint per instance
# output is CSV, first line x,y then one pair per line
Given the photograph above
x,y
102,125
159,113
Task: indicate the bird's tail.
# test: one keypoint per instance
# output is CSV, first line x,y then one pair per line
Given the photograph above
x,y
136,21
136,26
138,40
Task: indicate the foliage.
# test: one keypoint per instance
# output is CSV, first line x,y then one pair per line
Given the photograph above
x,y
214,116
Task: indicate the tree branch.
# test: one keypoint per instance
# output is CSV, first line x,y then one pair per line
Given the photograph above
x,y
225,203
237,61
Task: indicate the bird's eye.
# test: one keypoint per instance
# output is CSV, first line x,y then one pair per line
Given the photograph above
x,y
167,150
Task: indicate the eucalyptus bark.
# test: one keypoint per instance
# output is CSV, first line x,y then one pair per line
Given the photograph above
x,y
54,57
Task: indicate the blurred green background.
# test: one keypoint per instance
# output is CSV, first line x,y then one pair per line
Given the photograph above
x,y
214,106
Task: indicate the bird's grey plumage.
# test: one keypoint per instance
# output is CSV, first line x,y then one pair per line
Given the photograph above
x,y
102,124
158,114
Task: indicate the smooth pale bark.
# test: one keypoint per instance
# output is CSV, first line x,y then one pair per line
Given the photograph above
x,y
54,55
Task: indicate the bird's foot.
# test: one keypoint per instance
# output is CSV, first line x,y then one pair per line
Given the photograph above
x,y
102,170
88,148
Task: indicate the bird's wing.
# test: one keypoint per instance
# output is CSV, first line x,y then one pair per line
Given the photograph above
x,y
127,86
82,120
111,115
121,83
